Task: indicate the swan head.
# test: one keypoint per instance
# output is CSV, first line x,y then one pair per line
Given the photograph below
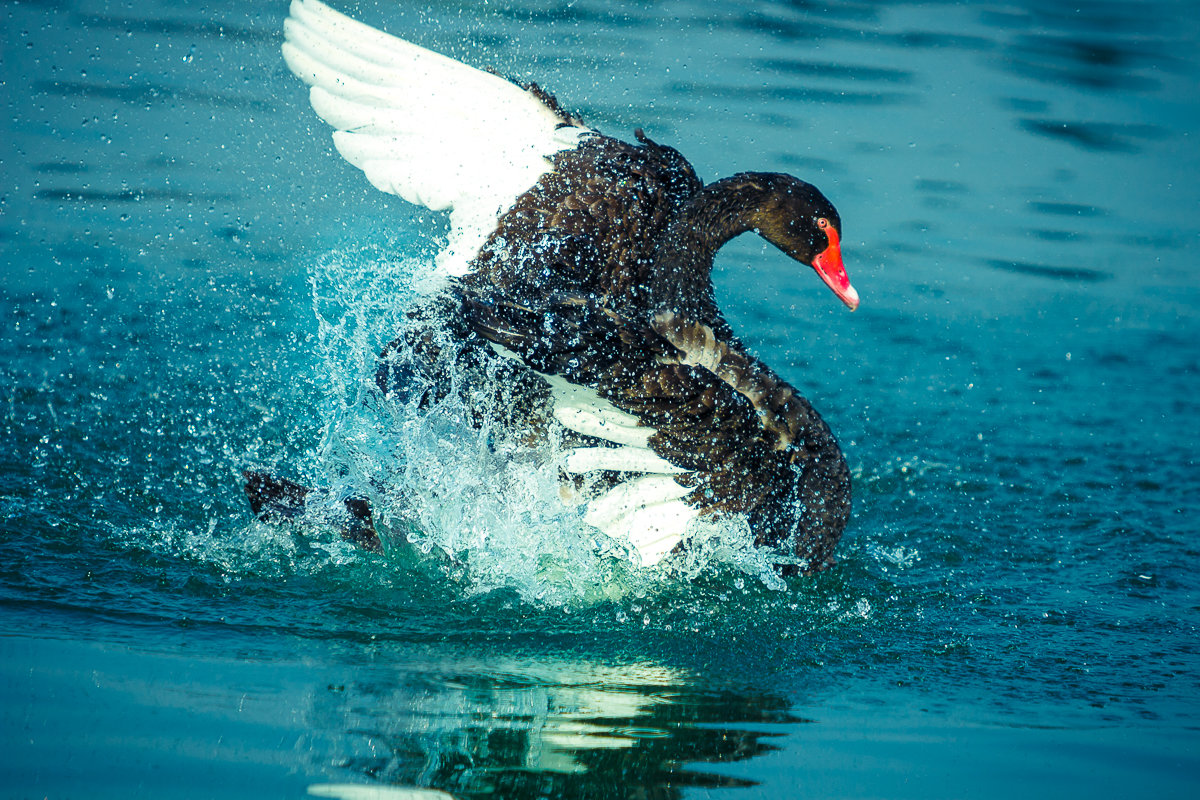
x,y
799,220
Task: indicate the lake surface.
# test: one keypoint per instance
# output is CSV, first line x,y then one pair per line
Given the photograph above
x,y
194,283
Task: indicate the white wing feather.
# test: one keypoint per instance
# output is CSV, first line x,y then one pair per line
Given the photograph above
x,y
647,510
422,126
447,136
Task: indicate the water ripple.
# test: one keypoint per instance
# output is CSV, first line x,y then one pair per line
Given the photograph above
x,y
181,27
1103,136
789,94
147,94
823,69
1046,271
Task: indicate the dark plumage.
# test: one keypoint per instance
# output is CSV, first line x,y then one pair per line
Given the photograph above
x,y
601,274
594,275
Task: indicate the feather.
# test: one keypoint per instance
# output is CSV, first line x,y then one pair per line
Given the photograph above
x,y
425,127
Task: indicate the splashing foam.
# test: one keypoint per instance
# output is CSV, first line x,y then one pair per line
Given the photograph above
x,y
455,489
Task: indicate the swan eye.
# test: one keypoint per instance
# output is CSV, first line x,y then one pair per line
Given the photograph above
x,y
822,223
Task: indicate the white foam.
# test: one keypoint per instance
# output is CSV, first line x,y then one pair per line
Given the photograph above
x,y
492,512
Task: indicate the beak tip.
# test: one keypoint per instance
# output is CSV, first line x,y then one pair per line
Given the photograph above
x,y
850,298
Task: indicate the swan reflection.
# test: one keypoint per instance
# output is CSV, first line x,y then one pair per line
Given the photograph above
x,y
536,727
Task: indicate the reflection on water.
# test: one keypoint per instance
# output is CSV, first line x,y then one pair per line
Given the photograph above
x,y
530,728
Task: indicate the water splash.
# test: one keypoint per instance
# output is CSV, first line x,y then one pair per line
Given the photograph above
x,y
454,488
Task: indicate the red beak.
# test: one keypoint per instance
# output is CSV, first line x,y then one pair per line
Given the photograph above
x,y
828,265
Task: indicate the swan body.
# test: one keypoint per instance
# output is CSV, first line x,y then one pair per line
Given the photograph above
x,y
584,262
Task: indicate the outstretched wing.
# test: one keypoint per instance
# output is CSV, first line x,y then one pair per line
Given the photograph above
x,y
425,127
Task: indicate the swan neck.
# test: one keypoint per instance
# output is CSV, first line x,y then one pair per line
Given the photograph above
x,y
709,219
718,213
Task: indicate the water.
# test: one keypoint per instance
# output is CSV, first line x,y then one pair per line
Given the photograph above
x,y
193,285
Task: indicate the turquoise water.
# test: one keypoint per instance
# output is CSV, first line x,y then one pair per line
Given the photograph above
x,y
194,284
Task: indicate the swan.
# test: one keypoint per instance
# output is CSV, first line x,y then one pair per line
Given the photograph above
x,y
582,263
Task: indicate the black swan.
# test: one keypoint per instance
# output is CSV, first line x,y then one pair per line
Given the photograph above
x,y
582,263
